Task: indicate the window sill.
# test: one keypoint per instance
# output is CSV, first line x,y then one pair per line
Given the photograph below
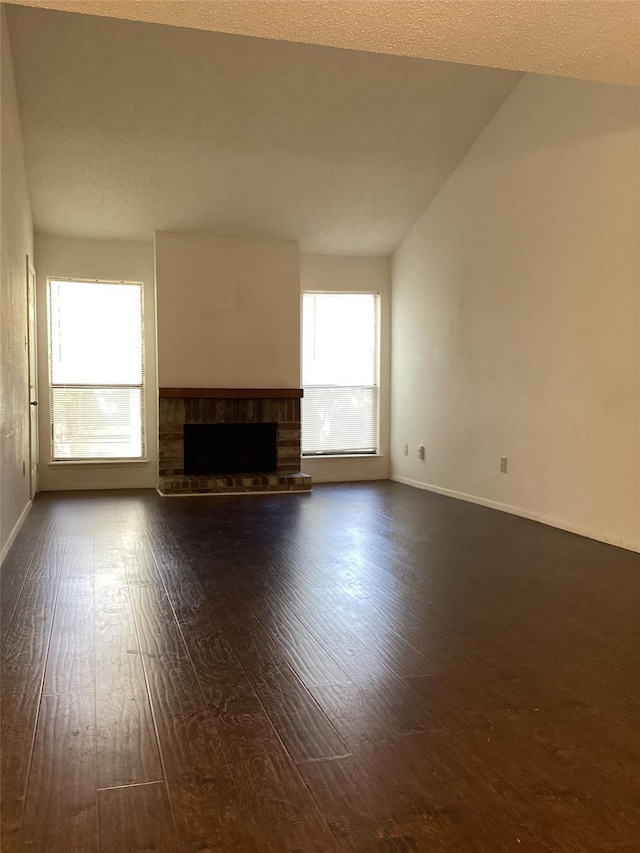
x,y
84,463
314,457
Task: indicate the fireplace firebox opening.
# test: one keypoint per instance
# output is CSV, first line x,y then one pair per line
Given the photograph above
x,y
211,449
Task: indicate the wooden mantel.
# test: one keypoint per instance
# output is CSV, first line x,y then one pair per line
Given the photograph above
x,y
233,393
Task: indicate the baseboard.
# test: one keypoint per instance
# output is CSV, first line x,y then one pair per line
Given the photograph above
x,y
329,479
95,486
14,533
598,535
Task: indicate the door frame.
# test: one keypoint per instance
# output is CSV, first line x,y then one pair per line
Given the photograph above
x,y
31,344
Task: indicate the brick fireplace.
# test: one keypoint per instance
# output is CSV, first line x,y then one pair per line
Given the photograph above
x,y
185,407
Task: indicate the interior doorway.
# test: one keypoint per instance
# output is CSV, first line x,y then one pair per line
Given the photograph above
x,y
32,351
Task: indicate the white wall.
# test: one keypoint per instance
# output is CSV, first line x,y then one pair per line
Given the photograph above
x,y
352,273
111,260
228,312
16,239
515,315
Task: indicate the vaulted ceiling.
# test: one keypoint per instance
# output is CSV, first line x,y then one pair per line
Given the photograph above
x,y
587,39
132,127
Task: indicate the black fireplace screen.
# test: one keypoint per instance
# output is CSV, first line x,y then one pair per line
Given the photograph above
x,y
211,449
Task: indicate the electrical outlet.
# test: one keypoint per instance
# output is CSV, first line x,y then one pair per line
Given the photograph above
x,y
406,450
421,451
503,464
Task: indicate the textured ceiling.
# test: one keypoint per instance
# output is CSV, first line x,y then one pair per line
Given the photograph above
x,y
133,127
587,39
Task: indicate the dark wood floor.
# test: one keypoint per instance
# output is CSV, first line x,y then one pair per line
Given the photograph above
x,y
368,668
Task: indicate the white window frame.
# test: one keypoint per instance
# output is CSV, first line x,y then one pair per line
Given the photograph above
x,y
97,460
365,454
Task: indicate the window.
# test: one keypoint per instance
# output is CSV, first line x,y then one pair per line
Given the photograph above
x,y
340,373
96,364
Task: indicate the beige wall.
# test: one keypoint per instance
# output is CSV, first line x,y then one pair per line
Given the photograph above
x,y
515,315
16,240
111,260
351,273
228,312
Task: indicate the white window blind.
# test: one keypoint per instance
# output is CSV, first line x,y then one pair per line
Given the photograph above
x,y
96,363
340,333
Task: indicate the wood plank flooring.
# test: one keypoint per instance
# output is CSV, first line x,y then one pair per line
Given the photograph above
x,y
366,668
